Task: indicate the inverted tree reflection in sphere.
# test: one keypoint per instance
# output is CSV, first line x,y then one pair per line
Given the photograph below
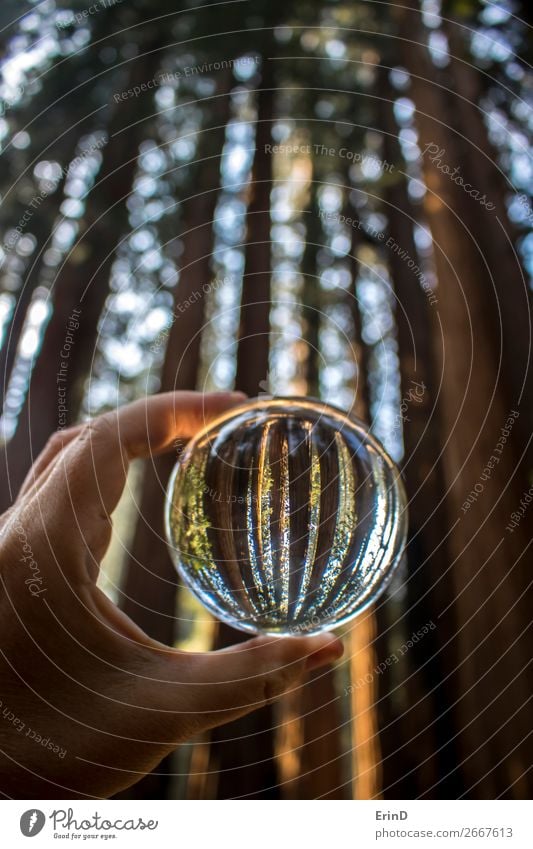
x,y
285,516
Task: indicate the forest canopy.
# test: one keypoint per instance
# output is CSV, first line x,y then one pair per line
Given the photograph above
x,y
330,199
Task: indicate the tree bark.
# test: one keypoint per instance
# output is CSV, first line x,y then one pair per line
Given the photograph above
x,y
81,285
488,573
149,589
311,298
424,713
149,592
243,751
253,350
511,316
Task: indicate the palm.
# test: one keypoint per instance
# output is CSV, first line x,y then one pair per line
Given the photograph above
x,y
77,671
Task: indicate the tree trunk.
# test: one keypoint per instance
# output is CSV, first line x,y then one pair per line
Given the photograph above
x,y
149,589
253,350
243,751
488,573
81,285
507,282
425,717
311,298
150,584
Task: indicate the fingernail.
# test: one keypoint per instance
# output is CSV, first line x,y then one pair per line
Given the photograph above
x,y
329,654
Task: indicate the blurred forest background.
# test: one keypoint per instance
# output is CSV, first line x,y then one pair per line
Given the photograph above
x,y
265,195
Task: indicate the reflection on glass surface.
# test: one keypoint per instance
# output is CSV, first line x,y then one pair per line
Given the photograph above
x,y
285,516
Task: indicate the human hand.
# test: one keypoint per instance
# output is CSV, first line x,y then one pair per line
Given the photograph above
x,y
89,703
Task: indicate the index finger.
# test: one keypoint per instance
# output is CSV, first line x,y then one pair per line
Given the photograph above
x,y
94,466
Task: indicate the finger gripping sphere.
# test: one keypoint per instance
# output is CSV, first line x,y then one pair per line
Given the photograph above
x,y
285,516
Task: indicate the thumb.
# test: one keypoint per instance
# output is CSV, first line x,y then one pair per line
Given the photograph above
x,y
253,673
224,685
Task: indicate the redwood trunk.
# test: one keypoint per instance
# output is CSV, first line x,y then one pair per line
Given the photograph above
x,y
83,286
488,573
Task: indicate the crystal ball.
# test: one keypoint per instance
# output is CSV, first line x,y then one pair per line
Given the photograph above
x,y
285,516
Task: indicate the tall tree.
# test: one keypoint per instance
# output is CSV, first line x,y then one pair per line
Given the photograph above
x,y
83,284
417,308
488,571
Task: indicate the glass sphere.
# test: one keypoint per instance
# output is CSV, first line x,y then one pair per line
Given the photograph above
x,y
284,516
